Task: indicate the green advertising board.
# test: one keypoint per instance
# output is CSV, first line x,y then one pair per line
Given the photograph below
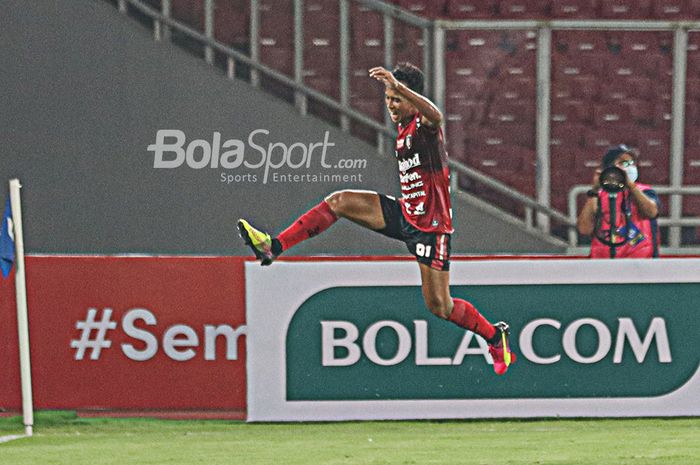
x,y
358,336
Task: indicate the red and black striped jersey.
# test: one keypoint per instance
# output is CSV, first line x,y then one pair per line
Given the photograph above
x,y
424,176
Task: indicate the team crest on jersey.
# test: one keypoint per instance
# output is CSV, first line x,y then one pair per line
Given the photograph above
x,y
435,223
409,140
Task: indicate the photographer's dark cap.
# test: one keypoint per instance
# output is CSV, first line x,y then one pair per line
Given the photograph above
x,y
614,152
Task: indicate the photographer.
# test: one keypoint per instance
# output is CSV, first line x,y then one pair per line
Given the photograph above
x,y
634,205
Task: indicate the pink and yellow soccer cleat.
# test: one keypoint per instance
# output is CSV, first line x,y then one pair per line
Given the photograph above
x,y
500,352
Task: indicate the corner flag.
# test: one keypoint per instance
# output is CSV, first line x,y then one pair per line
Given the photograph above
x,y
7,241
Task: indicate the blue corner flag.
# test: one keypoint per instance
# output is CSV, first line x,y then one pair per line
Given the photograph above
x,y
7,241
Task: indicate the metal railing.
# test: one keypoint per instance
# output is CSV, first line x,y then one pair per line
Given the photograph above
x,y
163,24
433,32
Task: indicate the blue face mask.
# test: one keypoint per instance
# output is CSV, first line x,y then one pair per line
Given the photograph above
x,y
632,173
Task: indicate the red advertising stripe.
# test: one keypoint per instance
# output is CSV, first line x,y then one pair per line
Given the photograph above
x,y
129,333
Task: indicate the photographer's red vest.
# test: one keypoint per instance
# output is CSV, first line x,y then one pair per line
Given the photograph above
x,y
643,233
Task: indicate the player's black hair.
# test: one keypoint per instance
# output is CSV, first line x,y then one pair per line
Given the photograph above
x,y
411,75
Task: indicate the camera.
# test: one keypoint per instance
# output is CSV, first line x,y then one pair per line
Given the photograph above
x,y
612,179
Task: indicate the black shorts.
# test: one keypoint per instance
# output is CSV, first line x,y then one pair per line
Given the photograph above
x,y
431,249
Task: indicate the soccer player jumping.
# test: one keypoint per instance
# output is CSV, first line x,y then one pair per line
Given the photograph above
x,y
422,218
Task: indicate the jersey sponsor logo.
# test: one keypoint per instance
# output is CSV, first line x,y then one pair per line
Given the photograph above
x,y
410,177
414,195
410,187
407,164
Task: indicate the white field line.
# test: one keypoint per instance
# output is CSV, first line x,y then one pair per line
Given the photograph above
x,y
11,438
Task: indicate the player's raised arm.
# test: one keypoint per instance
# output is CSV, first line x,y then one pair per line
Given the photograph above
x,y
432,116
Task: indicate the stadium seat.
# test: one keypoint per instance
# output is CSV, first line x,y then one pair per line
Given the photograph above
x,y
190,12
481,138
567,136
408,44
692,87
515,88
625,9
640,111
232,22
691,173
523,9
578,43
472,112
577,87
627,88
455,137
517,112
692,113
574,9
471,9
671,9
662,113
276,35
599,139
571,111
425,8
650,65
625,43
568,67
585,164
512,165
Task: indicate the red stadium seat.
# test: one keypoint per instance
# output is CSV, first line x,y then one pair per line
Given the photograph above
x,y
611,114
520,112
471,9
625,9
692,113
567,136
522,135
566,67
640,111
366,27
190,12
471,112
277,35
517,88
637,45
232,22
585,163
650,65
691,173
570,9
692,88
408,44
577,87
599,139
512,165
425,8
671,9
578,43
628,88
523,9
571,111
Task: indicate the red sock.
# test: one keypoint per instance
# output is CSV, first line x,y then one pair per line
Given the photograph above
x,y
465,315
310,224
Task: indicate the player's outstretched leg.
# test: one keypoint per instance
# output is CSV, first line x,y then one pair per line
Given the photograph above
x,y
308,225
465,315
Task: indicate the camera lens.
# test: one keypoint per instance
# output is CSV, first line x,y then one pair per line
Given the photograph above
x,y
612,179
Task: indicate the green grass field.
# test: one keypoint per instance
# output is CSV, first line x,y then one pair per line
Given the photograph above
x,y
64,438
